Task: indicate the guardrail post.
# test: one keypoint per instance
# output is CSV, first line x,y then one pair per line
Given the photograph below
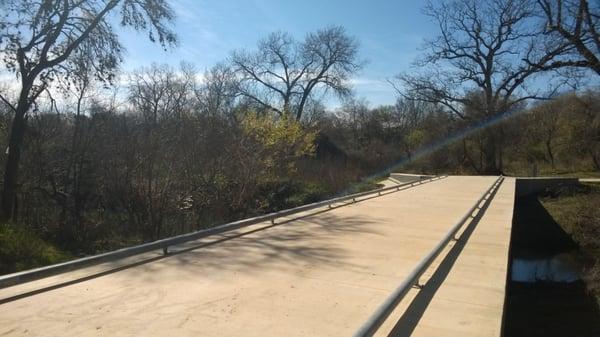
x,y
166,250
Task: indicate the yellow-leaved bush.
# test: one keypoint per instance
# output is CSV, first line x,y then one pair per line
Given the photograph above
x,y
279,142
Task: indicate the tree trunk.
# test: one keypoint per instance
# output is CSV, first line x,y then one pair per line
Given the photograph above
x,y
11,172
467,158
489,152
595,160
550,152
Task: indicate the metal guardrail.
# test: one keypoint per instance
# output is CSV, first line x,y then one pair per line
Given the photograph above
x,y
370,327
36,274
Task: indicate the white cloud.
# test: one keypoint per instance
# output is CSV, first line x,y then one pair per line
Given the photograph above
x,y
366,81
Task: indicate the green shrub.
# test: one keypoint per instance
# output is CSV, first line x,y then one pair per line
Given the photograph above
x,y
306,193
278,194
21,249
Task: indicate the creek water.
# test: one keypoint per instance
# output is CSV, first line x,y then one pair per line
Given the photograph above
x,y
556,268
545,293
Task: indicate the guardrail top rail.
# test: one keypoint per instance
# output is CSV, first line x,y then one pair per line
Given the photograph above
x,y
35,274
370,327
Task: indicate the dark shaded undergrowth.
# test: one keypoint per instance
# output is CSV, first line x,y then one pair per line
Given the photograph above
x,y
562,221
22,249
577,210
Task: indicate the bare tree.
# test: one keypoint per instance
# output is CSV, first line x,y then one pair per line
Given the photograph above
x,y
284,73
545,121
587,137
481,47
574,25
356,112
216,95
77,191
162,97
39,38
160,93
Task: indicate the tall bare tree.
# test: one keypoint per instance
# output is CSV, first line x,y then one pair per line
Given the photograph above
x,y
575,27
163,98
216,96
284,73
488,46
39,39
160,93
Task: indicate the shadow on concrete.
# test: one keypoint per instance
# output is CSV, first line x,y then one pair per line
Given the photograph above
x,y
409,320
330,225
284,245
300,240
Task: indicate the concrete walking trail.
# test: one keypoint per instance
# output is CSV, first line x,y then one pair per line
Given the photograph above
x,y
317,274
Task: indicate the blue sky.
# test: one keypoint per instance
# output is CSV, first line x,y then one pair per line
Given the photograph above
x,y
390,33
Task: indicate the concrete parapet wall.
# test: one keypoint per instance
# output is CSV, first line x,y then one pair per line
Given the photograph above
x,y
408,178
533,185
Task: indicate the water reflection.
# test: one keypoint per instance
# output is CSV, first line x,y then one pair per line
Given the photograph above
x,y
558,268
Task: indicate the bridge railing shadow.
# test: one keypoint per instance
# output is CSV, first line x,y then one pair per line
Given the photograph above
x,y
292,241
289,243
411,317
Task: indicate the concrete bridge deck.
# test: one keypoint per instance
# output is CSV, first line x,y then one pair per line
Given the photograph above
x,y
321,275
